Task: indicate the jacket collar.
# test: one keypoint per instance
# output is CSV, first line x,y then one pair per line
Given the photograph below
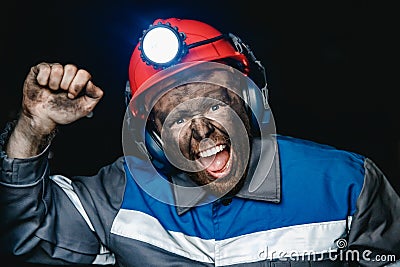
x,y
262,181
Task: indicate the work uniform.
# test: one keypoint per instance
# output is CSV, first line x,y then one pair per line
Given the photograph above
x,y
315,204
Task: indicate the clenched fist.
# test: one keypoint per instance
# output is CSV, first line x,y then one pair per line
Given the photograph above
x,y
56,94
53,94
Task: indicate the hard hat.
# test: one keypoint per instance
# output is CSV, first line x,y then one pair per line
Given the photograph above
x,y
195,41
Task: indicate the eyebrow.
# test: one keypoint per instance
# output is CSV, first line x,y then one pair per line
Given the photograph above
x,y
219,94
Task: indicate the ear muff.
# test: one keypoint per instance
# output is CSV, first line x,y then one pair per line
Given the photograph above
x,y
154,147
254,90
257,106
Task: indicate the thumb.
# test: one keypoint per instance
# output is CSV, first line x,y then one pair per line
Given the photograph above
x,y
92,96
93,92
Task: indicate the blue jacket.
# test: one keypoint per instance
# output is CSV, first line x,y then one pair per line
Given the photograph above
x,y
316,205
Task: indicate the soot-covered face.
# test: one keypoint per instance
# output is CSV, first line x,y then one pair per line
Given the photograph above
x,y
205,132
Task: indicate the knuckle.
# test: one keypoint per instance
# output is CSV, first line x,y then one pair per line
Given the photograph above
x,y
57,69
42,67
84,73
70,68
41,72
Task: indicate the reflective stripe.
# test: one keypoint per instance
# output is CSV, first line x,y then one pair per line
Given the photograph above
x,y
307,239
66,185
141,226
395,264
104,257
311,238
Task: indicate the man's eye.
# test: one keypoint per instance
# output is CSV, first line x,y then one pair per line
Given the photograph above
x,y
179,121
215,107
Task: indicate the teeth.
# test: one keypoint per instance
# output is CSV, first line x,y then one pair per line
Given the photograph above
x,y
212,151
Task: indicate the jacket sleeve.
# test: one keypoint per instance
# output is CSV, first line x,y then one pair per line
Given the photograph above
x,y
39,223
375,228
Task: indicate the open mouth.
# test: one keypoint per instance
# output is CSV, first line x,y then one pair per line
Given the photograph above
x,y
216,160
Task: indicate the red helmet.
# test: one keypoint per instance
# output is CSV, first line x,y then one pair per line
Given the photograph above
x,y
193,31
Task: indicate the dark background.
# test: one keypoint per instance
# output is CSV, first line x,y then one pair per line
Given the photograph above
x,y
330,65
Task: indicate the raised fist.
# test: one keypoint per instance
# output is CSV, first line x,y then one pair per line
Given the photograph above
x,y
56,94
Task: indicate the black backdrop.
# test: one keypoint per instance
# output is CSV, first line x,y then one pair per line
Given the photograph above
x,y
329,67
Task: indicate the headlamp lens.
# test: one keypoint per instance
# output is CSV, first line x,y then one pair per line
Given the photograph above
x,y
160,45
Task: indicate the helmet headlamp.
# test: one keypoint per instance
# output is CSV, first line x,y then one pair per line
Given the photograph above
x,y
162,45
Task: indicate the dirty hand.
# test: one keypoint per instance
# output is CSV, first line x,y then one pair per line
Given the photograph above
x,y
55,94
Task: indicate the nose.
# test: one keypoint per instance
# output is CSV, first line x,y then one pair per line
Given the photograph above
x,y
201,128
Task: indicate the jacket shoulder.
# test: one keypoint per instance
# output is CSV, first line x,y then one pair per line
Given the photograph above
x,y
310,150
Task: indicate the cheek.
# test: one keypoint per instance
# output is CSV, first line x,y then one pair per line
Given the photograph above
x,y
242,113
180,136
226,120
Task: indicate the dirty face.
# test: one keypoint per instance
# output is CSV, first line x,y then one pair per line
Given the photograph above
x,y
205,128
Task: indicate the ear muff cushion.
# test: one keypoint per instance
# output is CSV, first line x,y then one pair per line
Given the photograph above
x,y
154,148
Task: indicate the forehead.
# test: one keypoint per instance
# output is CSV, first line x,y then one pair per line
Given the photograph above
x,y
186,92
192,84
